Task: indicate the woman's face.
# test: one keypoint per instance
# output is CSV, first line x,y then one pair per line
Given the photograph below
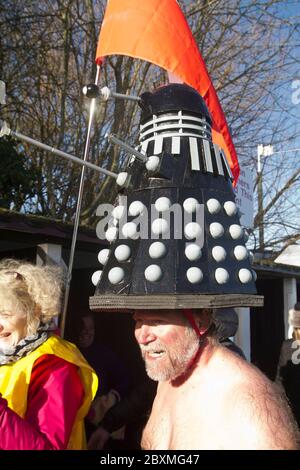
x,y
13,325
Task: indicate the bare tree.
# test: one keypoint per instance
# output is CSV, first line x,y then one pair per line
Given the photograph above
x,y
251,51
47,55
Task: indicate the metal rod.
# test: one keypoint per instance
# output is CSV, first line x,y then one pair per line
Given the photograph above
x,y
260,211
260,199
125,97
20,136
126,147
77,214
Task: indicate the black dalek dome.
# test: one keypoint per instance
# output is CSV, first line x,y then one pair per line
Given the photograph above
x,y
173,98
175,236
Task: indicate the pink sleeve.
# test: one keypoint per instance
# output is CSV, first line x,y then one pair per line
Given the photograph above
x,y
54,397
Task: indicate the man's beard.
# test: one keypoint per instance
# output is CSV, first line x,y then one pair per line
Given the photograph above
x,y
169,362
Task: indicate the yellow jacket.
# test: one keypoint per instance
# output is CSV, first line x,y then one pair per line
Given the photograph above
x,y
15,380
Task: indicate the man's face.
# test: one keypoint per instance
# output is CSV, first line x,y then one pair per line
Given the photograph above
x,y
167,342
13,325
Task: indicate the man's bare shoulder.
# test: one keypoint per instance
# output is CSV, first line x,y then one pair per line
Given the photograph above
x,y
254,412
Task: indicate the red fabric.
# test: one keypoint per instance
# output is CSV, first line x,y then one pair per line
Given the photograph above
x,y
54,397
189,315
157,31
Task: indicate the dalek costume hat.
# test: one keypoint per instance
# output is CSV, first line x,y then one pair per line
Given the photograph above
x,y
175,236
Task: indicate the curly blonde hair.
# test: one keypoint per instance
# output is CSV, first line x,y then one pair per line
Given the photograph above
x,y
32,290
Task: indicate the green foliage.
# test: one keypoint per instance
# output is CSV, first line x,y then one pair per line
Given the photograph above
x,y
17,177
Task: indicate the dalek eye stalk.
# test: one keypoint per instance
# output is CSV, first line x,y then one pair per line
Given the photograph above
x,y
175,236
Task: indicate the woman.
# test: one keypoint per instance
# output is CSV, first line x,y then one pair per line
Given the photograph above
x,y
46,386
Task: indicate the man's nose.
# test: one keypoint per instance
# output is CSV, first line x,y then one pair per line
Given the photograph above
x,y
144,334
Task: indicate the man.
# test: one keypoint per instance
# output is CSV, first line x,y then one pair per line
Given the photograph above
x,y
207,397
193,257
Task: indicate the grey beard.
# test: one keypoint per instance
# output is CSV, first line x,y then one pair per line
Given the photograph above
x,y
179,360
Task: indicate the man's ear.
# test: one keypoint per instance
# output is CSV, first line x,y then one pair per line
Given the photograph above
x,y
203,319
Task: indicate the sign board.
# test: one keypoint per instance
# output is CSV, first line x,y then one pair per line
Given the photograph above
x,y
244,196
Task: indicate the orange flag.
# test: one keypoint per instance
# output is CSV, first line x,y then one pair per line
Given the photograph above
x,y
157,31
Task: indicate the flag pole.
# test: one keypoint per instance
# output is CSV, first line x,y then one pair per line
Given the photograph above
x,y
78,210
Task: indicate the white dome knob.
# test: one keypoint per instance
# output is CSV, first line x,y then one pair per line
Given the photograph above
x,y
103,255
122,252
152,163
240,252
162,204
192,230
157,250
230,208
122,178
118,212
192,251
236,231
129,230
190,205
221,276
159,226
116,275
218,253
111,234
216,230
213,206
194,275
153,273
96,277
136,208
245,275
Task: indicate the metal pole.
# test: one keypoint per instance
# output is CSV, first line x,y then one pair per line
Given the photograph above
x,y
132,151
68,156
261,234
77,214
125,97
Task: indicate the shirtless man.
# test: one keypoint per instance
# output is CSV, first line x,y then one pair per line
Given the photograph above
x,y
208,397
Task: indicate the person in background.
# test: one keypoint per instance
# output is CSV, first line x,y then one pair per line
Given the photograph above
x,y
288,370
132,411
226,321
46,386
113,382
